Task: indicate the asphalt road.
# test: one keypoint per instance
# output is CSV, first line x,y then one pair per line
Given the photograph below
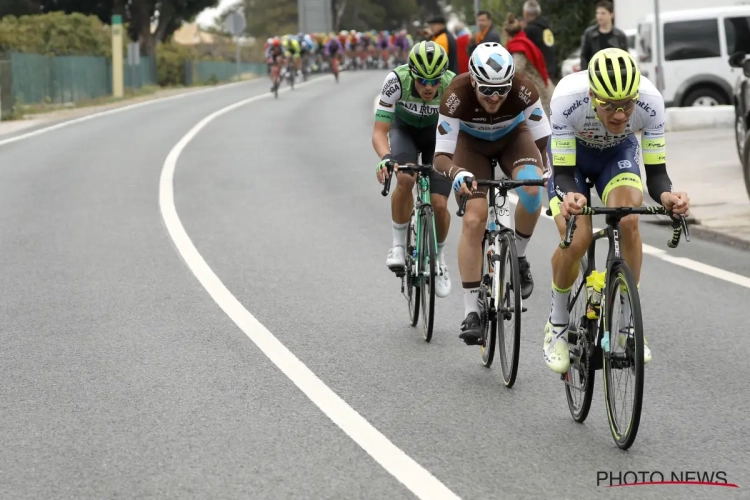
x,y
123,378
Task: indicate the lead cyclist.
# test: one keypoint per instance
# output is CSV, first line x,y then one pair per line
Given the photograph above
x,y
595,116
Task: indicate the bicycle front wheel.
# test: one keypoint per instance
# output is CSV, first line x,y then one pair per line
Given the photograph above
x,y
507,280
427,272
623,356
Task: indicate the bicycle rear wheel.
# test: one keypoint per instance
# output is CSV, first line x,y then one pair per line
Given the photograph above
x,y
579,380
623,355
507,279
411,270
427,272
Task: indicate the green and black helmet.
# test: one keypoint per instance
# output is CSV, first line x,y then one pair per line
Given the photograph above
x,y
428,60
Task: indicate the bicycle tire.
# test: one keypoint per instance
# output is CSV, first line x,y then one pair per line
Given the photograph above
x,y
412,291
490,334
509,369
586,345
621,272
427,282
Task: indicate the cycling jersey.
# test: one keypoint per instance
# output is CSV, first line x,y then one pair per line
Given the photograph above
x,y
399,96
581,146
461,112
292,47
333,47
573,116
273,52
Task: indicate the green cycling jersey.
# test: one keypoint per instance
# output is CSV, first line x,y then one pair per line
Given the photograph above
x,y
399,96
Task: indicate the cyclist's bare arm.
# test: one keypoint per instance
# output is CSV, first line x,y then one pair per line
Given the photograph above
x,y
380,138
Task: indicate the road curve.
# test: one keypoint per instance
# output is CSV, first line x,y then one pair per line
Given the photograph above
x,y
123,378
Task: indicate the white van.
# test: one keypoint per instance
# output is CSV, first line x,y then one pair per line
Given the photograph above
x,y
695,49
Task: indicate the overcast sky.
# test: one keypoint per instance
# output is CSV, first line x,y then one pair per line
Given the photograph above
x,y
206,18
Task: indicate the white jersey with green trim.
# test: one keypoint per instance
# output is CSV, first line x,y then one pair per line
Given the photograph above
x,y
573,117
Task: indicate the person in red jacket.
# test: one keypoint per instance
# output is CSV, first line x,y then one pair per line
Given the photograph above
x,y
463,38
528,60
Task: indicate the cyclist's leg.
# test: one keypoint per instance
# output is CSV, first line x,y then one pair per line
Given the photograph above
x,y
620,186
565,265
404,151
520,159
471,154
440,189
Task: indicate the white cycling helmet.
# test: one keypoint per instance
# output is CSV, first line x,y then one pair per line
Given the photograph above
x,y
491,64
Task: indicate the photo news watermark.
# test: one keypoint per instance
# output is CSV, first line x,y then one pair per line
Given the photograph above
x,y
612,479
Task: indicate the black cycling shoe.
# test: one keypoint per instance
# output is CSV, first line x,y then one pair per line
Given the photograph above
x,y
471,330
527,281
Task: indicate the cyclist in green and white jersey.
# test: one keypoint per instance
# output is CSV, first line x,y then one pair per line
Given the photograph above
x,y
405,123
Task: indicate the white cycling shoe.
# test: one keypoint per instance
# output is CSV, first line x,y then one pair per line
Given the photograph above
x,y
396,259
442,281
556,352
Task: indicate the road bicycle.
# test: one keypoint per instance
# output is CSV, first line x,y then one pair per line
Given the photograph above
x,y
500,289
593,317
420,270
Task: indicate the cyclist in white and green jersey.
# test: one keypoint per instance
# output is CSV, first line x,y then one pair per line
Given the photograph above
x,y
405,123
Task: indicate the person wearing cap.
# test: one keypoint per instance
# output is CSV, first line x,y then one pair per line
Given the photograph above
x,y
539,31
439,34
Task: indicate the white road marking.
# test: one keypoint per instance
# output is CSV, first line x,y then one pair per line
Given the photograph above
x,y
417,479
122,109
691,264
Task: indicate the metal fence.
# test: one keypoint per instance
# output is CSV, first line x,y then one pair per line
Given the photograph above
x,y
44,79
6,89
35,79
200,72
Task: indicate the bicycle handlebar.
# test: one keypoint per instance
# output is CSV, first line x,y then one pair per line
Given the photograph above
x,y
406,169
678,225
504,184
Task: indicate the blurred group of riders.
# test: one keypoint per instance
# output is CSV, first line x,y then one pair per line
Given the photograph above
x,y
302,54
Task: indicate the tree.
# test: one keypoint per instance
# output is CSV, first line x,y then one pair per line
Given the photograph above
x,y
18,8
138,15
267,18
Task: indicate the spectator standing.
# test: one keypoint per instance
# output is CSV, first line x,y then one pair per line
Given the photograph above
x,y
440,35
528,59
487,32
602,35
540,33
463,38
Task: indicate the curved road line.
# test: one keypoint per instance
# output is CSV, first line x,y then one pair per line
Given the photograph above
x,y
412,475
113,111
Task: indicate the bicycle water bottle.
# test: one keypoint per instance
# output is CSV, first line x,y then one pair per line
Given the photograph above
x,y
491,219
594,286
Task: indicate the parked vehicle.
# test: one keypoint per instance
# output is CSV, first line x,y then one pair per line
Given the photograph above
x,y
695,45
741,98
